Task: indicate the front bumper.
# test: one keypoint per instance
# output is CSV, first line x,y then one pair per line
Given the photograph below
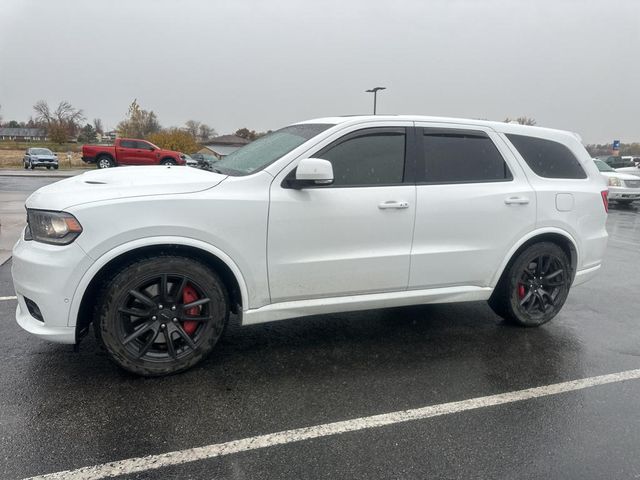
x,y
624,193
44,162
48,276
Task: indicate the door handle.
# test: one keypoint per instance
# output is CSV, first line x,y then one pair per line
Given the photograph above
x,y
516,201
393,204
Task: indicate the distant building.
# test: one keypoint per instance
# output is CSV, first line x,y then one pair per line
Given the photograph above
x,y
223,145
23,134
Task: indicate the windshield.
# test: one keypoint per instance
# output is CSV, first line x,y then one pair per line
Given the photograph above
x,y
41,151
266,150
603,167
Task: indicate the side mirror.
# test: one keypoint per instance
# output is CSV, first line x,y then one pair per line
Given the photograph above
x,y
313,171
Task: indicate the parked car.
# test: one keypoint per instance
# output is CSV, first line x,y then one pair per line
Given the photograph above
x,y
329,215
129,151
39,157
205,161
623,188
622,165
190,162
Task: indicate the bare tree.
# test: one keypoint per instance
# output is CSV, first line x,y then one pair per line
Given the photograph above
x,y
61,123
205,132
192,127
521,120
97,125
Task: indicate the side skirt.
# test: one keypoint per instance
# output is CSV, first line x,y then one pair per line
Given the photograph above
x,y
319,306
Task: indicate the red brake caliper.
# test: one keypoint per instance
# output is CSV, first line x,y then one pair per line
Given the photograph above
x,y
521,290
189,295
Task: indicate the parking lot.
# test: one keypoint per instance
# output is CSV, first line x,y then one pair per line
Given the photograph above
x,y
61,410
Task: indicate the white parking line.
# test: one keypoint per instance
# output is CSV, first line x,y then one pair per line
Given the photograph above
x,y
4,299
152,462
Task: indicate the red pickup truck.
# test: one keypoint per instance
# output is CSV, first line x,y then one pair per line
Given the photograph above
x,y
130,151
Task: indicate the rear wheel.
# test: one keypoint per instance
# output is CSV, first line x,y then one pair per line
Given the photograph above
x,y
534,288
162,315
104,162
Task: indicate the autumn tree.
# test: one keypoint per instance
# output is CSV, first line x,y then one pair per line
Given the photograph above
x,y
521,120
250,135
139,123
62,122
174,139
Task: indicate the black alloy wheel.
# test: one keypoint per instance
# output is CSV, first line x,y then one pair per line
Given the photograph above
x,y
162,315
535,286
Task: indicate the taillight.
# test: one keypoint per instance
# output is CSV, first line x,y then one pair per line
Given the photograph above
x,y
605,199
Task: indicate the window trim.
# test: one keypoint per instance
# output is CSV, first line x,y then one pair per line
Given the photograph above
x,y
421,168
408,172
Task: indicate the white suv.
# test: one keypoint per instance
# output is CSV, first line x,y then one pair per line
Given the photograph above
x,y
328,215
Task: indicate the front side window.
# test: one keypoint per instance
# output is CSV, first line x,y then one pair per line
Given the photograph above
x,y
374,156
462,157
547,158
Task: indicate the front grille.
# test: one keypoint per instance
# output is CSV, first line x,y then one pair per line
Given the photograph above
x,y
632,183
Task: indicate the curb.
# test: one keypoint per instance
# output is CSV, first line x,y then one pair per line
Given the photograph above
x,y
44,175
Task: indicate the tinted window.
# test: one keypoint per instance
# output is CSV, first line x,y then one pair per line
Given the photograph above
x,y
547,158
128,144
370,157
462,157
143,145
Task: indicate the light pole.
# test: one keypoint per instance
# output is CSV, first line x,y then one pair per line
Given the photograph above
x,y
375,96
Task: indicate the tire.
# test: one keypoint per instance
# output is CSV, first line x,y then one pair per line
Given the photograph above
x,y
168,161
55,167
26,165
104,162
48,167
534,287
139,343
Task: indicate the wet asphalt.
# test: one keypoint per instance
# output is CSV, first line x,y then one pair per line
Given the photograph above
x,y
62,410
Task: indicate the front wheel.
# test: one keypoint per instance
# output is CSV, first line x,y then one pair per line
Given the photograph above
x,y
168,161
162,315
534,288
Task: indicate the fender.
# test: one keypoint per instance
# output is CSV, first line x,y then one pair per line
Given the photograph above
x,y
526,238
147,242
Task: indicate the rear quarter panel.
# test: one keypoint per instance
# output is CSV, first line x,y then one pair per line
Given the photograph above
x,y
572,205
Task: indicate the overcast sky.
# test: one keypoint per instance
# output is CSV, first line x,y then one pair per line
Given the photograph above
x,y
572,65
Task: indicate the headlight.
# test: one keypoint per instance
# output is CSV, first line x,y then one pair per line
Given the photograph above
x,y
614,182
56,228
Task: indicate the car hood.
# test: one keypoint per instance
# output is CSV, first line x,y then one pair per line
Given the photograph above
x,y
629,170
122,182
620,175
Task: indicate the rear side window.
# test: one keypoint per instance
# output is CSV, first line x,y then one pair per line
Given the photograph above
x,y
462,157
127,144
547,158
